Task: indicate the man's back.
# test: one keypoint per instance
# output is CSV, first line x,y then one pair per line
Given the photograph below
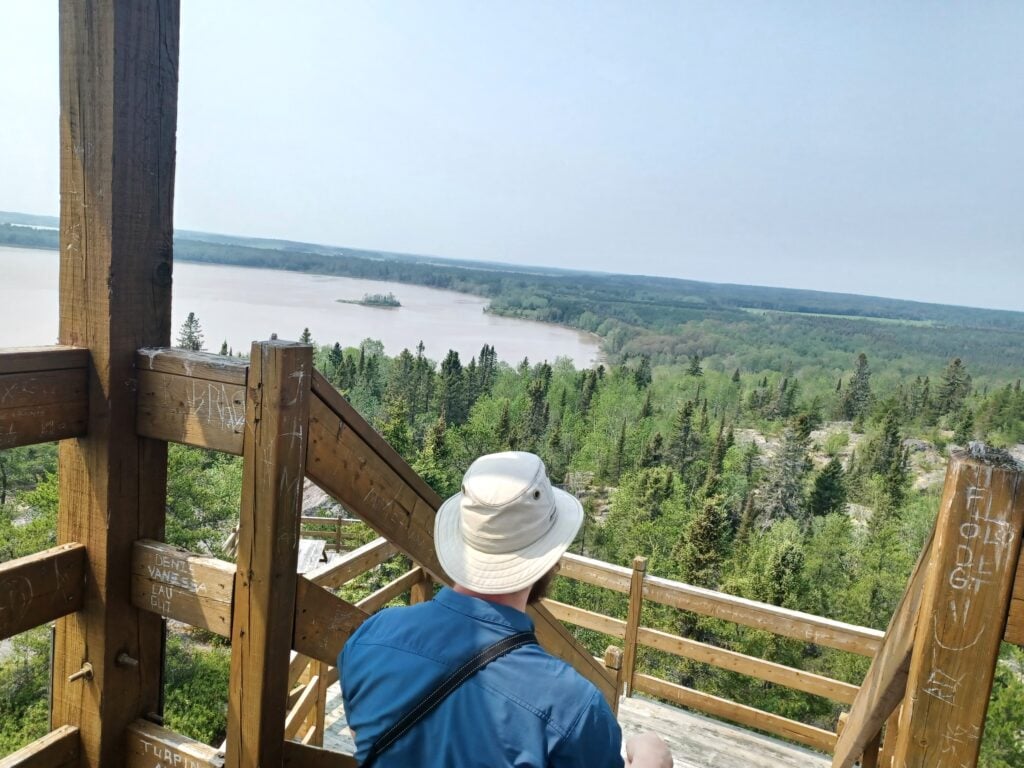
x,y
524,709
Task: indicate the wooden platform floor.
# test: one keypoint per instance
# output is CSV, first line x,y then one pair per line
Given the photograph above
x,y
696,741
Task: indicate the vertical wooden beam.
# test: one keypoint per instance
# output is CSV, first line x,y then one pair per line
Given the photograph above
x,y
274,454
118,116
422,590
319,713
613,663
636,604
892,729
963,612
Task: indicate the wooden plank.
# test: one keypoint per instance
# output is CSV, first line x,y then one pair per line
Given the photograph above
x,y
598,622
1015,619
323,622
39,588
422,590
310,555
315,736
199,365
150,746
183,586
306,756
118,119
297,714
277,412
52,358
374,482
886,681
28,425
963,610
770,618
374,602
193,411
57,749
198,590
596,572
35,388
348,468
816,738
358,561
636,604
331,521
333,399
771,672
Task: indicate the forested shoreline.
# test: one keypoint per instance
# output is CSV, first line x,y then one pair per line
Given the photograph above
x,y
668,320
805,491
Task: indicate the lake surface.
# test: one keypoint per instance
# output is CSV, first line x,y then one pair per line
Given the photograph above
x,y
239,305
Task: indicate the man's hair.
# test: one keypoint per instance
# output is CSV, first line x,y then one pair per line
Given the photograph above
x,y
539,590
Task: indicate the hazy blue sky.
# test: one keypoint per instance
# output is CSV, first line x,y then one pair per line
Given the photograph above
x,y
870,147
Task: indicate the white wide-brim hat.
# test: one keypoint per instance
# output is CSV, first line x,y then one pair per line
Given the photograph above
x,y
507,527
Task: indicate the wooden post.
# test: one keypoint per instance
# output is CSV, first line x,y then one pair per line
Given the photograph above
x,y
963,612
118,117
636,603
422,590
892,728
337,534
613,663
320,708
274,451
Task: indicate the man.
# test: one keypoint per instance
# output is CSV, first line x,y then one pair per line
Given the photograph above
x,y
500,540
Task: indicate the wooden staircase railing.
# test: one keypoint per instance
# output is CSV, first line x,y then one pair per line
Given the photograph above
x,y
937,656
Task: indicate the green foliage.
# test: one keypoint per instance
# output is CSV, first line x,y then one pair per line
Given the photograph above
x,y
24,681
196,688
203,492
190,336
1003,743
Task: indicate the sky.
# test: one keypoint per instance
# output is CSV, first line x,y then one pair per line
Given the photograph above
x,y
864,147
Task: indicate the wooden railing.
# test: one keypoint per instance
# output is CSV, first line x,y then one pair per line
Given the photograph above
x,y
962,594
642,587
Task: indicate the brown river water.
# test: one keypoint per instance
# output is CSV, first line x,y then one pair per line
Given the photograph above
x,y
240,305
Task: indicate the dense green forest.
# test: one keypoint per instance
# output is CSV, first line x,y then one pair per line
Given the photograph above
x,y
669,320
812,491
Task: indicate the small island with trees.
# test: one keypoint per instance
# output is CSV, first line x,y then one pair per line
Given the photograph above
x,y
387,300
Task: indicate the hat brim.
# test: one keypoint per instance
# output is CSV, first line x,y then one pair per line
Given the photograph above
x,y
496,574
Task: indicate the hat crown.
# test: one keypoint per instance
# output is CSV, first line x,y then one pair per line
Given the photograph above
x,y
507,502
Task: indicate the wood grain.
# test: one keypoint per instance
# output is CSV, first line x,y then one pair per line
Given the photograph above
x,y
815,738
183,586
1015,619
277,414
598,622
39,588
200,365
32,424
350,565
886,681
306,756
770,618
57,749
150,746
771,672
636,604
191,410
962,615
323,622
118,118
53,358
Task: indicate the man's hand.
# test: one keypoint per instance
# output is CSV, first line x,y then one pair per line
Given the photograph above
x,y
647,750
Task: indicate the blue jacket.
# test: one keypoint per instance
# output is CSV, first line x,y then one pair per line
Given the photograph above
x,y
526,709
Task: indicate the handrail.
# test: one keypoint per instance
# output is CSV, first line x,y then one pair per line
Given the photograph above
x,y
642,587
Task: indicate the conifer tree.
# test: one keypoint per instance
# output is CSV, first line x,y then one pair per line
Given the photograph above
x,y
704,545
191,335
829,492
642,374
224,347
694,369
306,337
857,399
781,496
955,387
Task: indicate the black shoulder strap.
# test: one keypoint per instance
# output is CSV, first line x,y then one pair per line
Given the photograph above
x,y
439,694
